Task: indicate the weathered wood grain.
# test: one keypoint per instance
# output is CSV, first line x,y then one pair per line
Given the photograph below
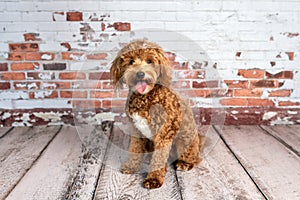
x,y
287,135
94,140
115,185
4,130
274,168
218,176
54,170
18,151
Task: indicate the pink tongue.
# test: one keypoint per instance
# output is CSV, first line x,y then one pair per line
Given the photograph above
x,y
141,86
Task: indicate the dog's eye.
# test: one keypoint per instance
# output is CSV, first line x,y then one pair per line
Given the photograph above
x,y
149,61
131,61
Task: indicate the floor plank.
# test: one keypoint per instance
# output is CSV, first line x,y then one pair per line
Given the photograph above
x,y
4,130
288,135
52,173
115,185
274,168
18,150
218,176
95,140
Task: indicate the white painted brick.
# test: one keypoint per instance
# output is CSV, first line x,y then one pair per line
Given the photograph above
x,y
50,46
10,16
4,47
43,103
6,104
52,6
21,6
5,95
207,5
13,27
11,37
37,16
84,6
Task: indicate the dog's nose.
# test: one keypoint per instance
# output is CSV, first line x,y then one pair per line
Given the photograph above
x,y
140,75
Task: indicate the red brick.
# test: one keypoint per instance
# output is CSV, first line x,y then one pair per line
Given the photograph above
x,y
234,102
86,104
280,93
4,85
281,75
99,76
74,16
86,85
247,93
38,55
73,94
251,73
170,56
23,47
69,55
72,75
55,66
12,76
107,85
31,37
191,74
179,65
260,102
264,84
219,93
273,63
290,55
97,56
193,93
205,84
103,26
56,85
236,83
66,45
113,103
120,26
17,56
181,84
101,94
289,103
3,66
23,66
27,85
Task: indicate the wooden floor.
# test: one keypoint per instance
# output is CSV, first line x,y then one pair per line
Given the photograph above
x,y
240,162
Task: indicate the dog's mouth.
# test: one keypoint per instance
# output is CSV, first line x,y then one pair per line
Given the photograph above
x,y
142,86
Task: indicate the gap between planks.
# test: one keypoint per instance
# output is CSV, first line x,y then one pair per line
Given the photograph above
x,y
273,167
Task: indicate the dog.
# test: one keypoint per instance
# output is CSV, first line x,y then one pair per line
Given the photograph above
x,y
160,119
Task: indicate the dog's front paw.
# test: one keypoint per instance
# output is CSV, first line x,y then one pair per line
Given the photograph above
x,y
152,183
127,169
183,166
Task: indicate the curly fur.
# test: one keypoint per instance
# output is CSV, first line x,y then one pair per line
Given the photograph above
x,y
159,117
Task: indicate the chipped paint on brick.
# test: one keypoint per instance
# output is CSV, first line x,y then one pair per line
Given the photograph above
x,y
282,121
269,115
95,118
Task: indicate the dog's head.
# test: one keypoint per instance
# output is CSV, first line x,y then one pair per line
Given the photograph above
x,y
141,65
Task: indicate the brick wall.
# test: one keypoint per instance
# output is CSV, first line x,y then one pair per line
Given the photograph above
x,y
234,59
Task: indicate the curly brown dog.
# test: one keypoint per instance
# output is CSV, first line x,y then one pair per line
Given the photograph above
x,y
159,117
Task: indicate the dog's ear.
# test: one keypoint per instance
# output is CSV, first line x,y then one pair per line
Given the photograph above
x,y
115,72
165,77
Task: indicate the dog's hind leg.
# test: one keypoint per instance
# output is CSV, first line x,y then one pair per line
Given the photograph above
x,y
188,151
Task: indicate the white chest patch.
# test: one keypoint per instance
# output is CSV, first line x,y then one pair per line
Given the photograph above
x,y
142,125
